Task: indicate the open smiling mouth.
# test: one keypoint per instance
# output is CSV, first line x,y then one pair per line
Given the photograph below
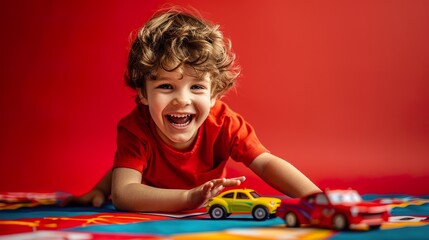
x,y
180,120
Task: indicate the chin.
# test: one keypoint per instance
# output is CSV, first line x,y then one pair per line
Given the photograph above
x,y
181,140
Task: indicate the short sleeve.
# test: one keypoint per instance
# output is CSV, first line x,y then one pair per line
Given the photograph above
x,y
245,144
131,152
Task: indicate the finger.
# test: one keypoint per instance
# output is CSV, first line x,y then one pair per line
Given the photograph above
x,y
234,181
207,188
241,179
73,200
66,201
218,182
98,200
231,183
216,191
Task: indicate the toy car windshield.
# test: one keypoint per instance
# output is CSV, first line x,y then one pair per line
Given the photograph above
x,y
337,197
255,194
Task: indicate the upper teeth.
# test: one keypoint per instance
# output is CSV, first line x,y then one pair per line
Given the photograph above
x,y
180,115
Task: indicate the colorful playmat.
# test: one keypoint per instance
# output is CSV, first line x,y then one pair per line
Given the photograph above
x,y
38,216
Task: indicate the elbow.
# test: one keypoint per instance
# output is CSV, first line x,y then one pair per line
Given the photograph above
x,y
119,201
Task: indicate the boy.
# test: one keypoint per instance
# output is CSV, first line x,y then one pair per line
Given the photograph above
x,y
173,147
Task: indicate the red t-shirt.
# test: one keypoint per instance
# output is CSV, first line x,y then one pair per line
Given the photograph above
x,y
224,134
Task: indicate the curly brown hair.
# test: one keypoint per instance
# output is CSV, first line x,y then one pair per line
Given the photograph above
x,y
173,38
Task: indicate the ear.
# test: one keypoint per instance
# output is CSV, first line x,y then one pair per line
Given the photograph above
x,y
213,101
143,99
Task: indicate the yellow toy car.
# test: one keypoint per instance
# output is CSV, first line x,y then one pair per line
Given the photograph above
x,y
242,201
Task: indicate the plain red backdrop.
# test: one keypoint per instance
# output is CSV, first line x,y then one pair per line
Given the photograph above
x,y
338,88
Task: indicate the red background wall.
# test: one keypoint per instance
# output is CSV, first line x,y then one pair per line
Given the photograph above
x,y
338,88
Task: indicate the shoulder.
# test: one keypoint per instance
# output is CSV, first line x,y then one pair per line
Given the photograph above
x,y
223,116
220,111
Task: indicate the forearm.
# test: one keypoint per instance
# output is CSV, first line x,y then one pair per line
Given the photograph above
x,y
283,176
142,198
105,184
129,194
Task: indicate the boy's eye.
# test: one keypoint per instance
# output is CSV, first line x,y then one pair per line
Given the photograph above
x,y
197,87
165,86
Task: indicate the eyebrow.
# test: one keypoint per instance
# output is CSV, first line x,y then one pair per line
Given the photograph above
x,y
163,77
174,78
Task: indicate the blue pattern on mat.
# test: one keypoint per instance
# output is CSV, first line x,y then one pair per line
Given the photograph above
x,y
414,233
182,226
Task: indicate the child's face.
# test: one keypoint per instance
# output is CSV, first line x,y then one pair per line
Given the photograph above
x,y
179,102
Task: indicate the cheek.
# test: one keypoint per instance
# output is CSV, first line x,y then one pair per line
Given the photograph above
x,y
156,106
160,100
205,104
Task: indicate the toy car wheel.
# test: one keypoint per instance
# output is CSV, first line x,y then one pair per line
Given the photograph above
x,y
339,222
291,219
260,213
217,212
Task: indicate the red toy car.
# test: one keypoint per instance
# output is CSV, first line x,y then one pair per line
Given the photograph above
x,y
337,209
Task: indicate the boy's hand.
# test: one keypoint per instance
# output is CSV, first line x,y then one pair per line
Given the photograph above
x,y
95,197
199,196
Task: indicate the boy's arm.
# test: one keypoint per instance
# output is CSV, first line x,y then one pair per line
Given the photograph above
x,y
96,196
105,184
282,175
129,194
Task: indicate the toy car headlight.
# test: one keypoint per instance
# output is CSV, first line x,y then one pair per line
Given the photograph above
x,y
272,203
354,211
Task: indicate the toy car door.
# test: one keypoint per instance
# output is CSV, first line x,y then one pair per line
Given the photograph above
x,y
321,210
242,203
229,199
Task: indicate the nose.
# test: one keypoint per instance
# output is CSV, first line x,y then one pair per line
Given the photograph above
x,y
182,98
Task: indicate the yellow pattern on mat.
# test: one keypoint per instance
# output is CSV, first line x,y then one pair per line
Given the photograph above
x,y
261,233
